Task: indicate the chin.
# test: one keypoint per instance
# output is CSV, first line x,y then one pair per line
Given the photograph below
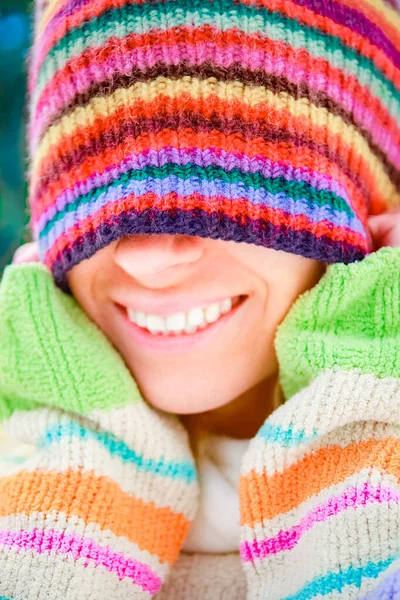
x,y
184,397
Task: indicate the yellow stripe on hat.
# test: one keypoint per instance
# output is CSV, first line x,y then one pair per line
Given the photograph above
x,y
249,96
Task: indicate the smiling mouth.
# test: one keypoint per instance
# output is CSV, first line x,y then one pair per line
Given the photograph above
x,y
184,323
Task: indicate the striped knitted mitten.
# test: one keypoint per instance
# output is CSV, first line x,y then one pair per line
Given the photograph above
x,y
320,486
101,508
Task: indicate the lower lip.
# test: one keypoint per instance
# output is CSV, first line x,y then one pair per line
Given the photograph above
x,y
177,342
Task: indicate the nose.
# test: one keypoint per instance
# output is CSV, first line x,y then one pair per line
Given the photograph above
x,y
158,260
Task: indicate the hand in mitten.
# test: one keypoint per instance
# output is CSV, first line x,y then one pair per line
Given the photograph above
x,y
319,491
103,506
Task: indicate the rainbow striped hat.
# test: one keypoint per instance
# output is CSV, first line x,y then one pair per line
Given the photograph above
x,y
273,122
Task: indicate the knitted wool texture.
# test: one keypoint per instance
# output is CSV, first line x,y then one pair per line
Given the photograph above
x,y
101,509
273,122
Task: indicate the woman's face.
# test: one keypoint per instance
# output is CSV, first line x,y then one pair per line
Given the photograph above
x,y
194,319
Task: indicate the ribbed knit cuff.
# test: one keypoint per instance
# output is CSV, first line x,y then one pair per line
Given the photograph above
x,y
51,353
350,320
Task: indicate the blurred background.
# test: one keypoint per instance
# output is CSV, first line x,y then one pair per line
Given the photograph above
x,y
15,26
15,23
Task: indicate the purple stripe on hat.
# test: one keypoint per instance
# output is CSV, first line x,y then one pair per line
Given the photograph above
x,y
356,21
129,129
199,223
208,189
69,7
203,158
67,10
343,15
393,3
50,103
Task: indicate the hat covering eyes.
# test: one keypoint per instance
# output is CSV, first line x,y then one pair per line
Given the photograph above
x,y
270,122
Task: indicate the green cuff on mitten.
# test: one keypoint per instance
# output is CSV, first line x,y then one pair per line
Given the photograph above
x,y
51,353
349,321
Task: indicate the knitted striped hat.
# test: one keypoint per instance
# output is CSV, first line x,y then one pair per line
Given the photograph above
x,y
274,122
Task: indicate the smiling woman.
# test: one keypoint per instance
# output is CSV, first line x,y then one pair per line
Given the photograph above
x,y
206,351
222,298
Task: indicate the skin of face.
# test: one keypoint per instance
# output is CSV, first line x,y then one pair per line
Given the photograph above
x,y
225,372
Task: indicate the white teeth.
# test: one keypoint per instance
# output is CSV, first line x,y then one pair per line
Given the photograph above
x,y
180,322
140,319
190,330
176,322
195,318
132,315
155,323
212,313
226,306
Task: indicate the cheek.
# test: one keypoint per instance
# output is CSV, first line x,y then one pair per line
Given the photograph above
x,y
91,280
280,300
84,292
285,289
